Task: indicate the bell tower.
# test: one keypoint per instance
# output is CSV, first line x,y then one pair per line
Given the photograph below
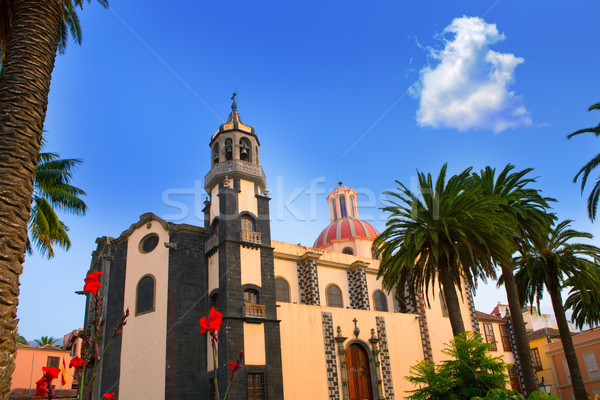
x,y
241,281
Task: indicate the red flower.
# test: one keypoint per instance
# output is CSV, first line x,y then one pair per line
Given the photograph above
x,y
233,366
92,287
53,372
94,276
41,390
76,362
213,323
109,396
92,284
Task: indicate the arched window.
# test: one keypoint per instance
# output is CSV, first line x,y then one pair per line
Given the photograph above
x,y
216,153
334,296
215,227
144,299
245,150
228,149
348,250
247,223
334,209
352,211
343,212
380,301
251,296
282,290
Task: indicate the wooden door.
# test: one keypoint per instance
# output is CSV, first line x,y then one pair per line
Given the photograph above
x,y
359,373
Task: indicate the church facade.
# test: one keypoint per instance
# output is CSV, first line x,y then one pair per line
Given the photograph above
x,y
313,322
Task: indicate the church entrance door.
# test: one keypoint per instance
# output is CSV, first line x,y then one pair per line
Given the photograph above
x,y
359,375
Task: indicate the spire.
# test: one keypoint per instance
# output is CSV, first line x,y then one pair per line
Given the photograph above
x,y
233,104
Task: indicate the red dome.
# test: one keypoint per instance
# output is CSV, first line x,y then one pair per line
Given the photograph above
x,y
345,228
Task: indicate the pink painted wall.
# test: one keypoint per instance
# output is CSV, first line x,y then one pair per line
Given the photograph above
x,y
586,343
28,366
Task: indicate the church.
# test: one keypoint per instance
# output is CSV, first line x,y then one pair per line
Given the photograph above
x,y
313,322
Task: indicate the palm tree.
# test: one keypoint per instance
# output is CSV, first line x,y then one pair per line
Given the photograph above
x,y
29,36
445,232
45,340
585,171
21,339
528,209
52,190
549,263
584,298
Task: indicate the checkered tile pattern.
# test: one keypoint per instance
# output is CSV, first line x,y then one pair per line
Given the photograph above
x,y
359,293
384,357
513,344
472,313
425,339
308,281
333,385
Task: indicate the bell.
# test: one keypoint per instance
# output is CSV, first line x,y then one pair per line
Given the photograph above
x,y
244,151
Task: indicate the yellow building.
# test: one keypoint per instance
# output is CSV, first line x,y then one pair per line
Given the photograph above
x,y
313,322
538,342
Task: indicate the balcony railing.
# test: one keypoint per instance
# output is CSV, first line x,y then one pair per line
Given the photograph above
x,y
235,166
250,237
254,311
211,243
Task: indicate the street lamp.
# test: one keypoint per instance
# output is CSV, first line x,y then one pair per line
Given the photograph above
x,y
544,387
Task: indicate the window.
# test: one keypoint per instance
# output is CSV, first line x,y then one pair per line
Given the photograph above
x,y
505,338
444,305
52,362
74,350
247,223
352,212
216,153
215,227
380,301
282,290
148,243
214,300
489,335
228,149
145,295
348,250
256,386
590,362
334,209
245,150
343,212
334,296
251,296
537,361
567,371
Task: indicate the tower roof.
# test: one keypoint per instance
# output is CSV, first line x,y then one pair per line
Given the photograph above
x,y
234,123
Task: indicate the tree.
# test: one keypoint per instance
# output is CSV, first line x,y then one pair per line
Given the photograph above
x,y
45,340
22,340
29,36
584,298
446,232
469,371
584,172
549,263
528,210
52,190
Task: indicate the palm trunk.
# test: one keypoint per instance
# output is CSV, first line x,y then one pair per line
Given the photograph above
x,y
567,342
24,87
449,289
516,316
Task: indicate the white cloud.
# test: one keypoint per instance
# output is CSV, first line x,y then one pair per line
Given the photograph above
x,y
466,84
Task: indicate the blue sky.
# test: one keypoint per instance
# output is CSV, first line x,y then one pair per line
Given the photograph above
x,y
363,93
